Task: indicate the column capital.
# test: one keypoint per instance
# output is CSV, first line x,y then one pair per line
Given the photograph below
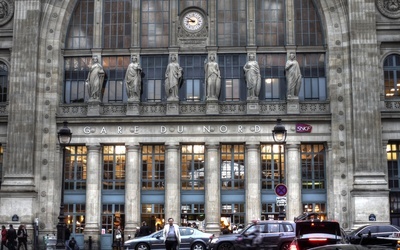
x,y
252,145
132,146
172,145
93,147
293,145
212,145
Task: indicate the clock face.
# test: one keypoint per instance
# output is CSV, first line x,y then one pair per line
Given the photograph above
x,y
193,21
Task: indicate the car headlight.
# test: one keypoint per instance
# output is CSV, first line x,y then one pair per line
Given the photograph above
x,y
215,240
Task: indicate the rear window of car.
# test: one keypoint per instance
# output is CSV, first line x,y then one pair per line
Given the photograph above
x,y
304,228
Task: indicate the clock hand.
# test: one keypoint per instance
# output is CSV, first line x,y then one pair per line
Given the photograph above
x,y
191,20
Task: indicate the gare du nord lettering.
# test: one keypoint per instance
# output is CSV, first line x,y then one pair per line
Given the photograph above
x,y
181,129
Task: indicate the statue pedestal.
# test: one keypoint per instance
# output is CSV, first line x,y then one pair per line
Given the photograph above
x,y
173,108
253,107
212,107
93,108
132,108
293,106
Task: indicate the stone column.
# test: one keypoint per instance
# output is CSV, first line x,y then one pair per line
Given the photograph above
x,y
172,182
369,173
212,174
23,87
293,177
132,189
93,195
253,182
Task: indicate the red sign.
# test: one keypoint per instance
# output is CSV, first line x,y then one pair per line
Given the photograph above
x,y
303,128
281,190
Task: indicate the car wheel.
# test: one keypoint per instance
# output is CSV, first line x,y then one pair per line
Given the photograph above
x,y
142,246
225,246
198,246
285,246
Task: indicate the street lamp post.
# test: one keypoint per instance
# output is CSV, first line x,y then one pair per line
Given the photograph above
x,y
64,138
279,135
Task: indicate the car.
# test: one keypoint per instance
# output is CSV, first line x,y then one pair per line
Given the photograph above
x,y
316,233
366,232
191,239
353,247
273,234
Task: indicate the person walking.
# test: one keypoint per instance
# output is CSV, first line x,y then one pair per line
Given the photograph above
x,y
11,238
118,237
22,237
3,237
172,236
144,229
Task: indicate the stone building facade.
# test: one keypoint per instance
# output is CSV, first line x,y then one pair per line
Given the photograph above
x,y
197,157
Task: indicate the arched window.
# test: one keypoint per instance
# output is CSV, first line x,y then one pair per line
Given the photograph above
x,y
391,72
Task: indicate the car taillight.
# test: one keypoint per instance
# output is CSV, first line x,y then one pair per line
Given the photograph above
x,y
293,247
317,239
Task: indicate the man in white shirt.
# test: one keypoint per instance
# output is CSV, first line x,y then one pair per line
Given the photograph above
x,y
172,236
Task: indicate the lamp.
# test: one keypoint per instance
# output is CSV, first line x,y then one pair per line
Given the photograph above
x,y
279,135
64,138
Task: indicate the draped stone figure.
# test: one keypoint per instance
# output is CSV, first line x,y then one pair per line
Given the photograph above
x,y
94,81
253,77
133,79
212,78
293,76
173,78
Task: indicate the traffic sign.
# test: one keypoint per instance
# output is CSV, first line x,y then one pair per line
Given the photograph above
x,y
281,190
281,201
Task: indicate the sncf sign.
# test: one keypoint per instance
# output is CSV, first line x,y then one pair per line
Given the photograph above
x,y
303,128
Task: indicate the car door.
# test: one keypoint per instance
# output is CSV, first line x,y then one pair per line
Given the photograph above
x,y
271,234
186,238
157,241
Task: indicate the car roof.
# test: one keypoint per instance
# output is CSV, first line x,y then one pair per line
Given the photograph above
x,y
316,226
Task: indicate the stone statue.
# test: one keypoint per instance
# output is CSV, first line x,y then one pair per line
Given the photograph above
x,y
133,79
253,77
173,78
212,78
293,76
95,80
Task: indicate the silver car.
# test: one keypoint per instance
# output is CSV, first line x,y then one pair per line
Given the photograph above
x,y
191,239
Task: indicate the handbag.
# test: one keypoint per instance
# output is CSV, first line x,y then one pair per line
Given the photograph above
x,y
118,236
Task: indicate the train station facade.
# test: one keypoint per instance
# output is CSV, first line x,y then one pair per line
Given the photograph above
x,y
164,149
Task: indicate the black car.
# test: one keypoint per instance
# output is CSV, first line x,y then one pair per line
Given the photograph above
x,y
316,233
271,234
368,233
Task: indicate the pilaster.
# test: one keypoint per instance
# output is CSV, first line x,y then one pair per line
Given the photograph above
x,y
172,183
253,187
132,193
212,189
293,176
93,189
19,172
369,172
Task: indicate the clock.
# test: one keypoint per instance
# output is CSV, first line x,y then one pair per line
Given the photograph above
x,y
193,21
